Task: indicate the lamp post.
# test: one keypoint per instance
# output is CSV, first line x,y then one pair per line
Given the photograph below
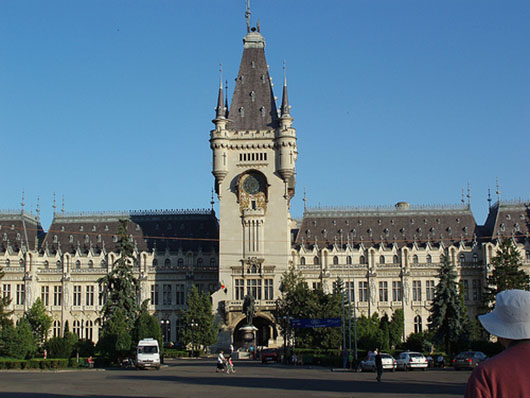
x,y
193,325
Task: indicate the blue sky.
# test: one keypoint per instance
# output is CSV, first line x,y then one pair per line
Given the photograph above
x,y
110,103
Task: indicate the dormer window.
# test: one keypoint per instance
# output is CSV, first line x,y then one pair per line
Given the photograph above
x,y
242,112
93,228
458,220
87,238
106,227
81,228
252,96
55,239
71,239
438,221
262,111
516,227
502,227
508,217
412,221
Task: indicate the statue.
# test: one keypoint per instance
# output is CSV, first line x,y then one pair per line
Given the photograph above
x,y
249,308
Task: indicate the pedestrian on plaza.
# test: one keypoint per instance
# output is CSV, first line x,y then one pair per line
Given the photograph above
x,y
294,359
506,374
221,361
229,365
45,354
231,349
378,364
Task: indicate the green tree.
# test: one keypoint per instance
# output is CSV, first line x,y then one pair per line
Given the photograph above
x,y
384,325
448,319
507,272
369,334
39,320
396,327
199,328
116,340
147,326
121,308
4,303
18,341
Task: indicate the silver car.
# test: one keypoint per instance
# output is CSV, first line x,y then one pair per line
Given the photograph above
x,y
411,360
388,361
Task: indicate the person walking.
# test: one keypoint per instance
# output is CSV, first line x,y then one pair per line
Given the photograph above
x,y
378,364
506,374
220,362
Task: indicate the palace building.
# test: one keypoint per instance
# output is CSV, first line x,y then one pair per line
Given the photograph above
x,y
388,257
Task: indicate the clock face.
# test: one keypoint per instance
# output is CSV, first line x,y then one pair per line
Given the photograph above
x,y
252,185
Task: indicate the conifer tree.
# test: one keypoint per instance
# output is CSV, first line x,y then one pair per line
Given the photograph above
x,y
198,320
507,272
39,320
120,288
449,319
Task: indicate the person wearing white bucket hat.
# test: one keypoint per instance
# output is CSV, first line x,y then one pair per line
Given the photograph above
x,y
506,374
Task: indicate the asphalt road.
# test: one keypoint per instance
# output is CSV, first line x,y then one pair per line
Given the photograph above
x,y
197,378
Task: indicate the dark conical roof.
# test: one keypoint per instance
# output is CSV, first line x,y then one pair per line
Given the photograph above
x,y
253,106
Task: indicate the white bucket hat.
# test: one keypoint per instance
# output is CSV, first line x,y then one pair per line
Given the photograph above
x,y
511,317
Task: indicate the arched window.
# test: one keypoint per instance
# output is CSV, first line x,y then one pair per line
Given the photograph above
x,y
58,264
417,324
77,328
362,260
381,259
348,260
78,264
90,264
415,259
396,259
199,262
103,264
316,260
89,330
167,262
302,260
475,258
180,262
56,328
335,260
155,262
46,264
429,259
462,259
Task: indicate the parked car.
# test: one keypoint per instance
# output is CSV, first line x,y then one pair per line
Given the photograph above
x,y
389,363
409,360
468,359
269,355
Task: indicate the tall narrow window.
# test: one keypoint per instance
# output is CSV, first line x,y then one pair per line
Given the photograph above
x,y
45,295
429,290
416,290
57,295
417,324
269,290
89,295
396,291
363,292
383,291
21,294
239,289
77,295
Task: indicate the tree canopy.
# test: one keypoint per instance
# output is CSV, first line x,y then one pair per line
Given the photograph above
x,y
199,328
507,272
39,320
448,320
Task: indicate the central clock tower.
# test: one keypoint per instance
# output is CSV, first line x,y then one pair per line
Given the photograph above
x,y
254,155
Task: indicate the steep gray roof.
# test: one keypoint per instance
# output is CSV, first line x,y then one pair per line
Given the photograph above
x,y
174,230
401,225
19,228
253,106
508,219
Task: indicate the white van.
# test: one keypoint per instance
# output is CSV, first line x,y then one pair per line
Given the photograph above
x,y
148,354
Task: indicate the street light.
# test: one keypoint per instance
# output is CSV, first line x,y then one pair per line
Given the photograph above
x,y
193,325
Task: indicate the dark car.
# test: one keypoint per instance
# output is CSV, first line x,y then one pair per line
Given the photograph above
x,y
468,359
269,355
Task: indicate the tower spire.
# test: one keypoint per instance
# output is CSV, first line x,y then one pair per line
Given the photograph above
x,y
489,198
468,194
22,203
498,191
226,99
54,206
285,100
247,16
220,110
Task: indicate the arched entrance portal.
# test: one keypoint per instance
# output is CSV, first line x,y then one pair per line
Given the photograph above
x,y
266,331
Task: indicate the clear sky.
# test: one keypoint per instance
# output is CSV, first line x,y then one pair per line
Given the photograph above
x,y
110,103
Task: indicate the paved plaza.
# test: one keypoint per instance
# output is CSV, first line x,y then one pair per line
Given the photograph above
x,y
197,378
